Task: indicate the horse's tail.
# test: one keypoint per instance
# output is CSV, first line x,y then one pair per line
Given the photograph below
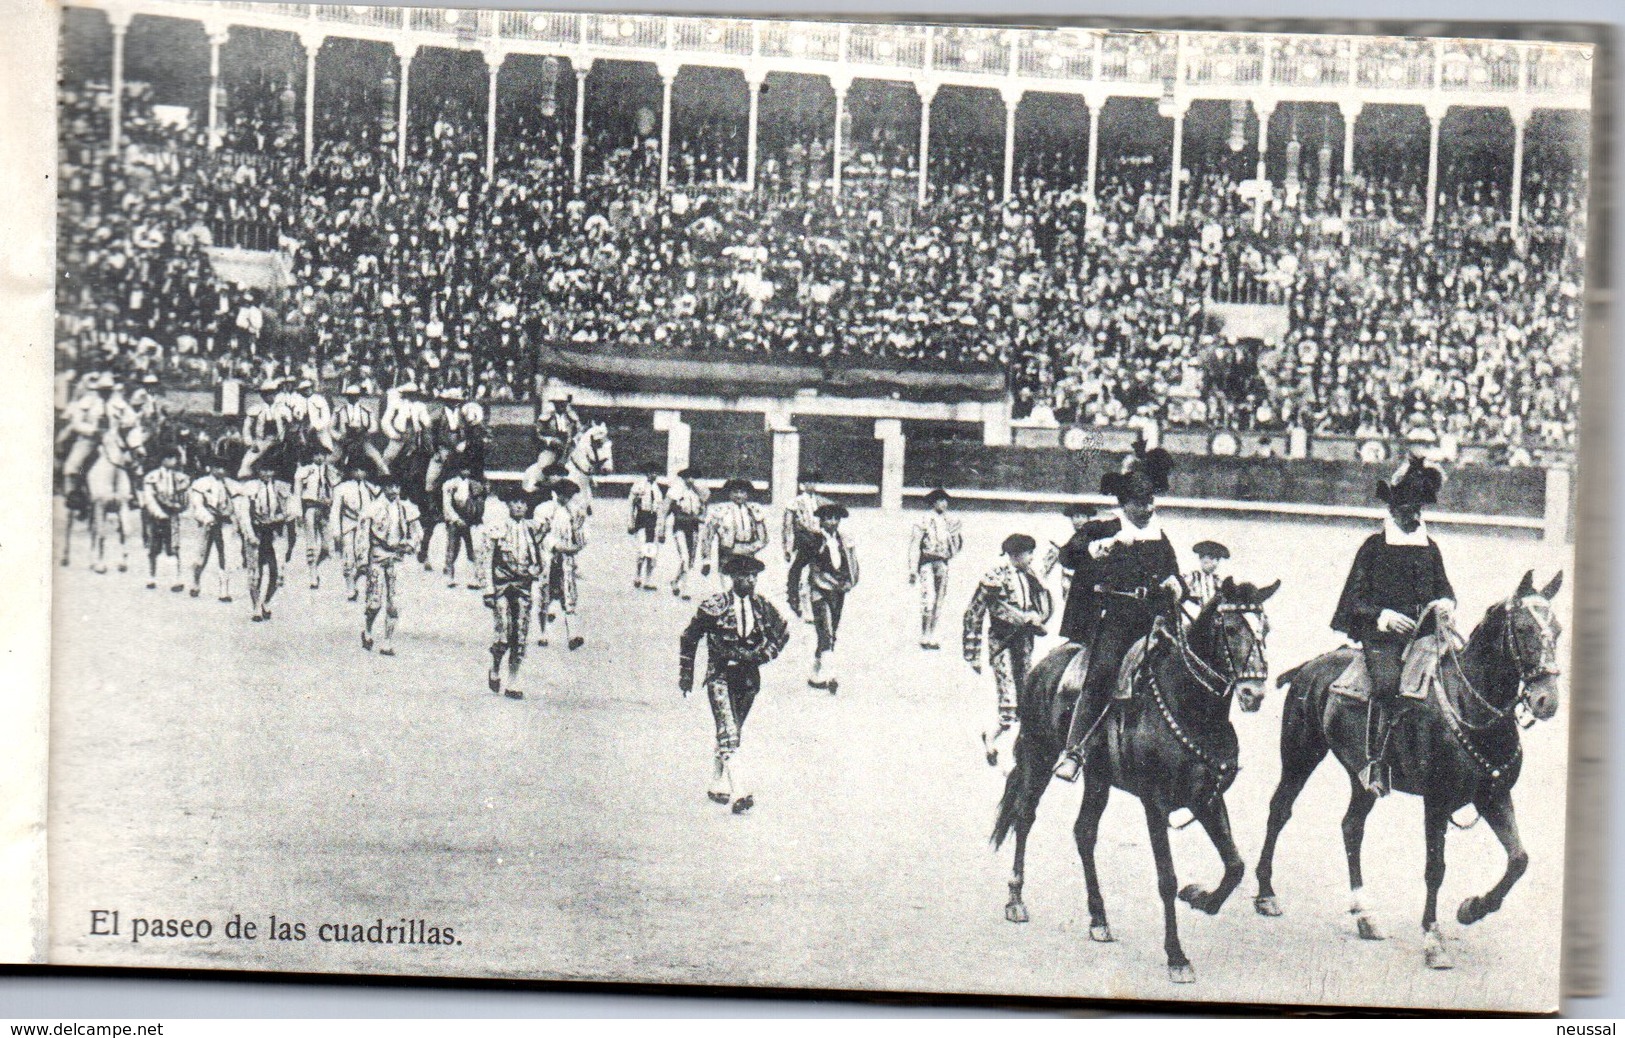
x,y
1009,805
1037,721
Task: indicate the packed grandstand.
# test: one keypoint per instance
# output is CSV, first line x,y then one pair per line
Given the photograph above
x,y
1094,308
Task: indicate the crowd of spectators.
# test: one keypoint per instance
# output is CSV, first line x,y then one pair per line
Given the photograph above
x,y
1097,309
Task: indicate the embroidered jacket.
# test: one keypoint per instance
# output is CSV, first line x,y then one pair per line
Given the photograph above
x,y
731,639
736,529
936,538
1015,605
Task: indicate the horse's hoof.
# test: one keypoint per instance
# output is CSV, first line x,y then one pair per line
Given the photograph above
x,y
1472,910
1367,928
1267,906
1190,893
1183,974
1016,912
1101,933
1433,950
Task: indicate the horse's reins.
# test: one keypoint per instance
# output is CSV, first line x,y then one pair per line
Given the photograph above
x,y
1204,673
1459,725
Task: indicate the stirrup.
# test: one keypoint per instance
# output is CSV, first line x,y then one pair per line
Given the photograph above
x,y
1374,777
1068,768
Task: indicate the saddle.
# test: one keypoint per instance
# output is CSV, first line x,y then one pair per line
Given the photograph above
x,y
1419,671
1070,685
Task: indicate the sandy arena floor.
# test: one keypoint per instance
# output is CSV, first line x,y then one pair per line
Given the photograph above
x,y
204,766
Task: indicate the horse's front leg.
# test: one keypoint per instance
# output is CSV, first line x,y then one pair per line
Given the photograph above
x,y
1156,823
1097,789
1215,819
1361,800
121,518
96,521
1497,811
1435,824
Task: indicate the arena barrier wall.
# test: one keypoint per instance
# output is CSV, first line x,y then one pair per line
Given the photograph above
x,y
871,459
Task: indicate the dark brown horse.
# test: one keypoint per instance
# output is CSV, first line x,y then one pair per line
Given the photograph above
x,y
1459,746
1171,744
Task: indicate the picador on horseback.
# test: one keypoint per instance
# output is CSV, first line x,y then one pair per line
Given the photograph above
x,y
1398,576
1417,708
1124,571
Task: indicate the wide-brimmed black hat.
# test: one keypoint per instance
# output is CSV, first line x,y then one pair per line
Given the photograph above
x,y
1144,475
737,484
938,494
1415,483
831,511
1211,550
1017,543
742,566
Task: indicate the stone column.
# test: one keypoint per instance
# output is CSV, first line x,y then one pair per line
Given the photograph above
x,y
1351,115
1520,122
1011,95
678,437
218,35
493,66
582,67
1558,490
118,19
893,446
996,430
1095,105
668,76
754,79
928,92
841,85
786,464
404,51
1178,161
1436,113
312,43
1265,109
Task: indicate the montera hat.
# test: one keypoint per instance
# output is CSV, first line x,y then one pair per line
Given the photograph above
x,y
831,511
936,495
742,566
1210,550
737,484
565,487
1414,483
1017,543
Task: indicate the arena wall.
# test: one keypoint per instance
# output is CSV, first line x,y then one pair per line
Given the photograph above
x,y
876,461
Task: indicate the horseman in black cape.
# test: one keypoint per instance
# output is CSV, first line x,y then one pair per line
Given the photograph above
x,y
1397,577
1123,566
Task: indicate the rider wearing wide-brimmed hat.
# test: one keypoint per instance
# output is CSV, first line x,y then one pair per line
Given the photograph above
x,y
1398,576
1124,576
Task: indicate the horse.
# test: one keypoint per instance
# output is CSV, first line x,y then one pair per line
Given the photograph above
x,y
592,454
1171,744
110,488
1460,746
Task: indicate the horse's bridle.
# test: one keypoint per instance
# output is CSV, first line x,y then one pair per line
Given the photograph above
x,y
1252,667
1528,674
